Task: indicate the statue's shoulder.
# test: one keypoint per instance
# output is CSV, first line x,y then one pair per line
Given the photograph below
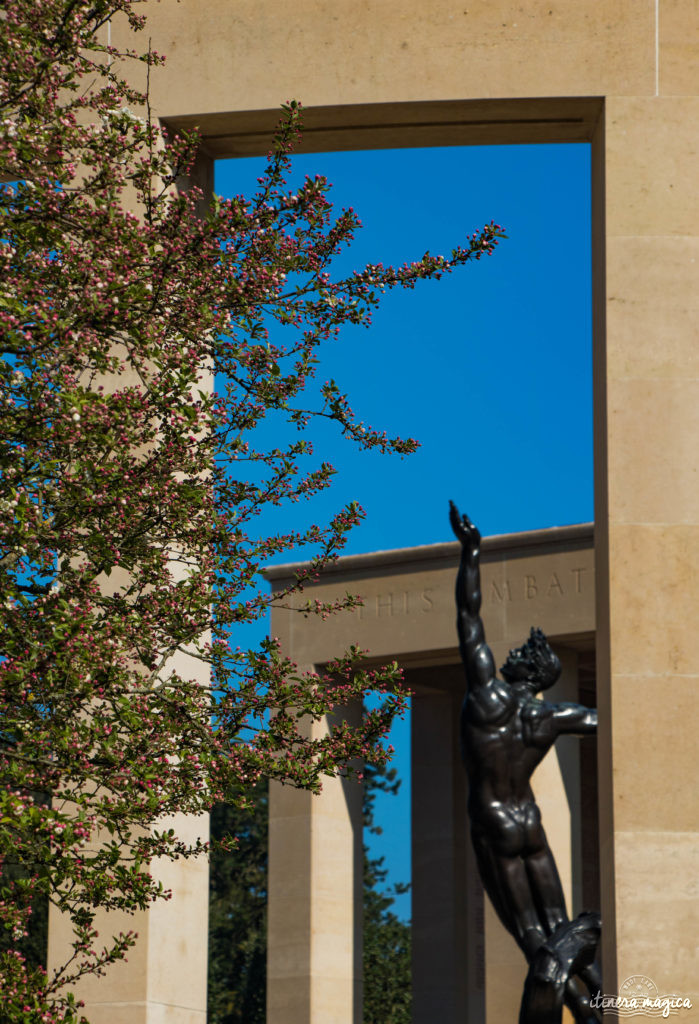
x,y
536,716
534,710
490,704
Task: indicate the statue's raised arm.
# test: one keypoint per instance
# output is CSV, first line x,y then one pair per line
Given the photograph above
x,y
475,653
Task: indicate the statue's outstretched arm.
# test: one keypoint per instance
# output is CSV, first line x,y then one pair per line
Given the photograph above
x,y
545,722
575,718
476,655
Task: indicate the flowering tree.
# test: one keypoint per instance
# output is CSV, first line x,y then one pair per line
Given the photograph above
x,y
131,492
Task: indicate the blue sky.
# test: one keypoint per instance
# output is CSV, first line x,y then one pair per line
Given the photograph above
x,y
490,368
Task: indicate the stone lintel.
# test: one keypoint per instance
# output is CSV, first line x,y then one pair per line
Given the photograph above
x,y
539,578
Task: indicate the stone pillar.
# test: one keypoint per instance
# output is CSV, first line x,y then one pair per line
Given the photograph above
x,y
647,517
447,898
163,981
314,945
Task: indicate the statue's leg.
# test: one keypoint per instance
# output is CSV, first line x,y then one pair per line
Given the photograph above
x,y
592,976
546,887
510,884
507,884
490,877
578,1002
550,901
567,952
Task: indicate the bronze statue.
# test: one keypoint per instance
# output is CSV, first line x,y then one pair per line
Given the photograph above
x,y
506,731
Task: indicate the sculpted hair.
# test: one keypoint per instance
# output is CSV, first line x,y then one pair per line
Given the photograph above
x,y
534,661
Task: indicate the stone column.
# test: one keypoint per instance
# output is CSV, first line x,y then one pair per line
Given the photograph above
x,y
447,899
314,945
163,981
647,517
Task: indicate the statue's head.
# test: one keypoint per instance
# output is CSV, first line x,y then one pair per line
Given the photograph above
x,y
534,663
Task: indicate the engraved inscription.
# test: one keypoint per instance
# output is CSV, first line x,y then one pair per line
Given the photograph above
x,y
554,585
578,573
497,594
390,604
546,585
530,586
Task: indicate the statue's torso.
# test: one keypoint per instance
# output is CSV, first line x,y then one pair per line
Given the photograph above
x,y
500,754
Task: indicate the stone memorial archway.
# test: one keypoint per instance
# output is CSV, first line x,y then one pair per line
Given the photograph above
x,y
620,74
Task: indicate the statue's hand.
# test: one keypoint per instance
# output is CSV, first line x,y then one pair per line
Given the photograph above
x,y
464,529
